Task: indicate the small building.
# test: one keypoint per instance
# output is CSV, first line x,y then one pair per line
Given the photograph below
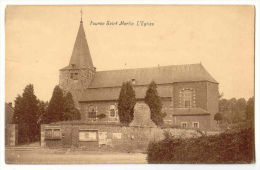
x,y
11,130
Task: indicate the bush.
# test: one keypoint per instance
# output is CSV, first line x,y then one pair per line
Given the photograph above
x,y
235,147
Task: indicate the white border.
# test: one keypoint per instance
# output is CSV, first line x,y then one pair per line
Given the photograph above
x,y
3,4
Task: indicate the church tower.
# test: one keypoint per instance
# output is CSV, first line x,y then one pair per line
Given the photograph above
x,y
77,76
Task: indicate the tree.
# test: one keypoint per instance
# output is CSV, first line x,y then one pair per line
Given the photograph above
x,y
61,107
218,117
153,100
42,106
241,109
26,115
126,103
55,110
70,112
250,107
18,109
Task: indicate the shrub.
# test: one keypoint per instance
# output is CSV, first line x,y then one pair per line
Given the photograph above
x,y
229,147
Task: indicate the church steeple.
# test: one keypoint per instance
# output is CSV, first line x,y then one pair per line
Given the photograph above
x,y
77,76
81,57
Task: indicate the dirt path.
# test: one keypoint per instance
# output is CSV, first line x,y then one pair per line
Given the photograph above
x,y
72,157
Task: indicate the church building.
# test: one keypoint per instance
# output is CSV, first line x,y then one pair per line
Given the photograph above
x,y
189,93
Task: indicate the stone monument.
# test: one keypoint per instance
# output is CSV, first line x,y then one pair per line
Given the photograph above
x,y
142,116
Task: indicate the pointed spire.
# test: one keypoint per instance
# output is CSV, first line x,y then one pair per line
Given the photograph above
x,y
81,57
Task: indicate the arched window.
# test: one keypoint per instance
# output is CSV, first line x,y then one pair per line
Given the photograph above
x,y
92,111
112,110
187,98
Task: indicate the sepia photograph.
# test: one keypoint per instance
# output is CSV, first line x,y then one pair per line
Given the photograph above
x,y
129,84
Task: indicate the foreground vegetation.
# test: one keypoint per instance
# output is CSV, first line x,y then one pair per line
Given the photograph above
x,y
234,146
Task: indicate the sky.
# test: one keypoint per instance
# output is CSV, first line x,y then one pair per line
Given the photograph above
x,y
40,39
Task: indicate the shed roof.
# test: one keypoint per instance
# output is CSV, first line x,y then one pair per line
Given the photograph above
x,y
189,111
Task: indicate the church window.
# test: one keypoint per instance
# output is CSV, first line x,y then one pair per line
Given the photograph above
x,y
92,112
187,98
184,124
112,111
74,76
195,124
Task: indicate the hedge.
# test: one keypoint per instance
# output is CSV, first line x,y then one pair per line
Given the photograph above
x,y
226,148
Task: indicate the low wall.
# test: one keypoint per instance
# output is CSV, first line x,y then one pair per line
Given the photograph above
x,y
109,137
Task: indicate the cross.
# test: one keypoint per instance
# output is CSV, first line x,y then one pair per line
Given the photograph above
x,y
81,14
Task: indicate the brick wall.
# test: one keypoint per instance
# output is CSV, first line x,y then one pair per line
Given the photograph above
x,y
102,108
117,138
205,95
212,102
200,90
204,121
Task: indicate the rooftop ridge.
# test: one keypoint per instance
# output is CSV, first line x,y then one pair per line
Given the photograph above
x,y
153,67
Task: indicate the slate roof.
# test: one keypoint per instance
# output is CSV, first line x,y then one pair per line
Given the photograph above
x,y
103,94
106,85
189,111
161,75
80,57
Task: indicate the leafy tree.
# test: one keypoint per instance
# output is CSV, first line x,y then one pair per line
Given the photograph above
x,y
250,107
26,115
218,117
153,100
70,112
236,110
241,109
126,103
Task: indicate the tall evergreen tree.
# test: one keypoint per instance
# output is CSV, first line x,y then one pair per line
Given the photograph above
x,y
126,103
154,102
61,107
42,110
26,115
55,110
70,112
18,109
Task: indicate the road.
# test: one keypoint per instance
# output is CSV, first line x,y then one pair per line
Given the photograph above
x,y
48,156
